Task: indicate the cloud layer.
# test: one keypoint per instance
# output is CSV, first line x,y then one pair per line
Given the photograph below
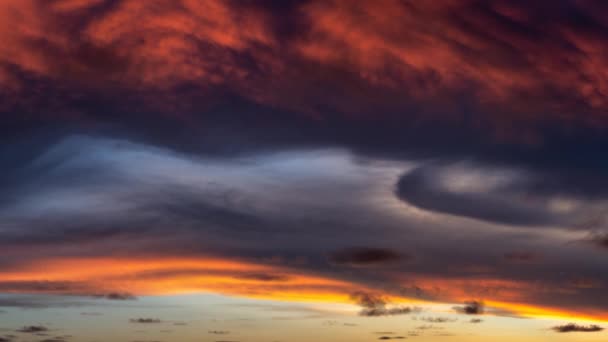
x,y
253,226
401,60
308,149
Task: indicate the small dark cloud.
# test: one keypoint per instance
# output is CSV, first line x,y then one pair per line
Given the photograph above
x,y
145,320
391,337
428,327
5,339
364,256
438,319
54,340
118,296
600,240
475,320
374,305
219,332
263,277
32,329
572,327
470,308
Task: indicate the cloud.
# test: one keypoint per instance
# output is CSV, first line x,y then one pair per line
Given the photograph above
x,y
33,329
499,195
373,305
471,308
600,239
263,277
70,199
145,320
572,327
364,256
218,332
344,59
391,337
438,319
475,320
118,296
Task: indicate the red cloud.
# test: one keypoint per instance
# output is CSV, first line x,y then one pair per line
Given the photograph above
x,y
513,63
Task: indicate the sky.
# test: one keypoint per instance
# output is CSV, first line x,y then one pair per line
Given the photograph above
x,y
288,171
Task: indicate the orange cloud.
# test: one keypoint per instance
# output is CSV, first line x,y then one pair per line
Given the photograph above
x,y
149,276
154,276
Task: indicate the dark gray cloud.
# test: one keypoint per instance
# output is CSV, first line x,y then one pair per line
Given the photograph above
x,y
500,196
437,319
219,332
33,329
391,337
365,256
374,305
263,277
118,296
600,240
471,308
572,327
145,320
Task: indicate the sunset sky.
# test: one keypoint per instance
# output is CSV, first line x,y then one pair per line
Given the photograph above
x,y
297,171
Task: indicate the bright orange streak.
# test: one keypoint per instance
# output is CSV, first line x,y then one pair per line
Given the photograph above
x,y
155,276
177,276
